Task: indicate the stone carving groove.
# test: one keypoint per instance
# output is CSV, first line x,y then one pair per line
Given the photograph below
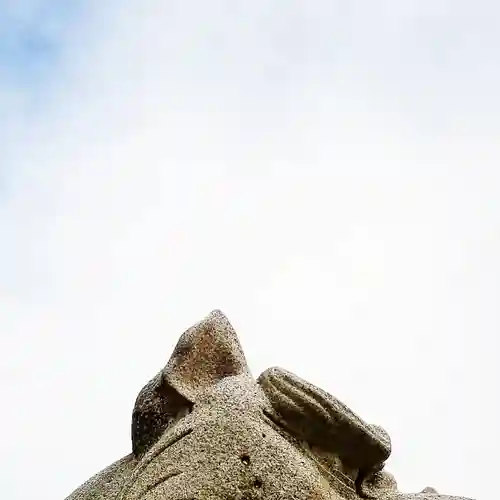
x,y
204,428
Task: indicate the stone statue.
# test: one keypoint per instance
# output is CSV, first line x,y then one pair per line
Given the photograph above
x,y
205,429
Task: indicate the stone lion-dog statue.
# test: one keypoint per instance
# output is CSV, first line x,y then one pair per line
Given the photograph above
x,y
205,429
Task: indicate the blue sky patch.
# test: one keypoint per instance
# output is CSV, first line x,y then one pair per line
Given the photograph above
x,y
32,34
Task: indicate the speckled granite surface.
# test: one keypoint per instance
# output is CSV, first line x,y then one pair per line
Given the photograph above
x,y
204,429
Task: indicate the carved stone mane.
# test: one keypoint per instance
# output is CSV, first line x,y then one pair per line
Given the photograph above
x,y
204,428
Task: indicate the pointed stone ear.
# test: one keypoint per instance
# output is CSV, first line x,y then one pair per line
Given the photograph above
x,y
204,355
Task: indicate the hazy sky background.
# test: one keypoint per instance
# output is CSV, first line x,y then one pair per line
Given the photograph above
x,y
325,172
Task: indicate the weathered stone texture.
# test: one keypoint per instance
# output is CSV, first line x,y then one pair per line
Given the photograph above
x,y
204,429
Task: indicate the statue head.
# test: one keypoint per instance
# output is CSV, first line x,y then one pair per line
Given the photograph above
x,y
204,428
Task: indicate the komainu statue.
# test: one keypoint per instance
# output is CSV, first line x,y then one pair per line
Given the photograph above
x,y
205,429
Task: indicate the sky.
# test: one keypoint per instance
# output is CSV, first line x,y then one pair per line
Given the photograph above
x,y
324,172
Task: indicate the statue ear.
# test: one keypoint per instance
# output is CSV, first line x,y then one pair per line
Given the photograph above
x,y
205,354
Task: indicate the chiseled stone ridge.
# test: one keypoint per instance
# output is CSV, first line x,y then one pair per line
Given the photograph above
x,y
204,429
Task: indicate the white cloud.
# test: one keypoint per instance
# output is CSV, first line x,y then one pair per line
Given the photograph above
x,y
325,175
